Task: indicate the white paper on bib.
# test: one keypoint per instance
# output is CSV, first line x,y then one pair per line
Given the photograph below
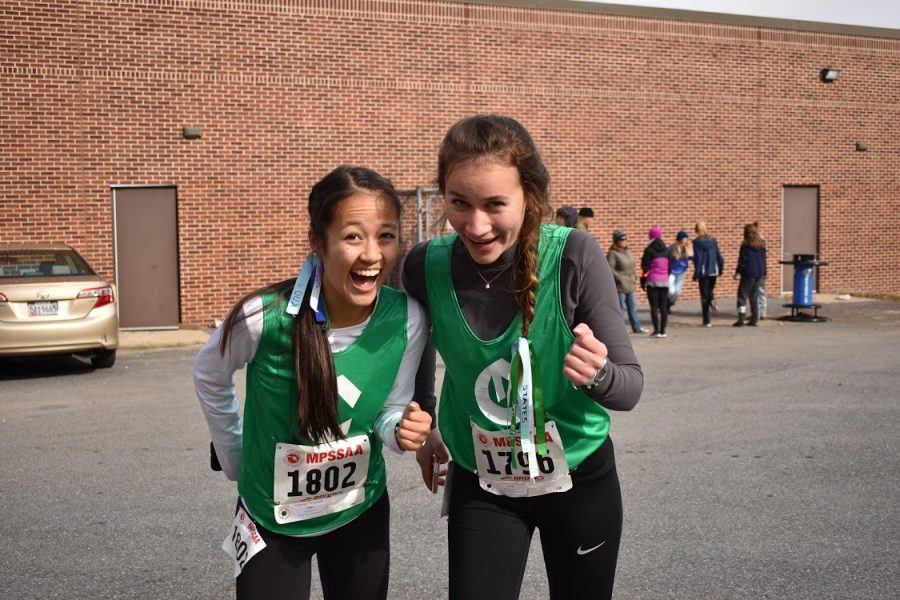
x,y
243,542
311,481
493,459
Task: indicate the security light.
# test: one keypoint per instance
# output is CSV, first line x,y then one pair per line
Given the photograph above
x,y
829,74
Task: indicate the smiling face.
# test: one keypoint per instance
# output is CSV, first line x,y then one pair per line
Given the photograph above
x,y
485,204
360,250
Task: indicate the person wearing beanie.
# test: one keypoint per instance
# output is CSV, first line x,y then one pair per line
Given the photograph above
x,y
682,251
621,261
566,216
585,218
656,264
708,265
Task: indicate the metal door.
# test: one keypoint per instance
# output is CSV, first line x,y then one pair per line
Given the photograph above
x,y
800,229
146,253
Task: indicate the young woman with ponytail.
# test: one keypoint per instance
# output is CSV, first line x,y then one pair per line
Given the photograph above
x,y
525,316
331,361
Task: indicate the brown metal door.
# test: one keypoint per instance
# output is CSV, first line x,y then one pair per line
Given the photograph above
x,y
146,234
800,233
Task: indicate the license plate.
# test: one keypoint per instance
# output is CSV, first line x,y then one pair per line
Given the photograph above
x,y
43,309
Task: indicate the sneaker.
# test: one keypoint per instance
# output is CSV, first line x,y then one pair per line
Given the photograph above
x,y
654,334
661,335
714,307
751,324
643,330
738,323
707,324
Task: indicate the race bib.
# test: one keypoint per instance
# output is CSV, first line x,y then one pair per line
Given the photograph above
x,y
311,481
497,475
243,542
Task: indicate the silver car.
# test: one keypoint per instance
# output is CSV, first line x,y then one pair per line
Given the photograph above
x,y
52,302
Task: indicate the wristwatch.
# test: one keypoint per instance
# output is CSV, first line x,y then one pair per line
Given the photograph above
x,y
598,376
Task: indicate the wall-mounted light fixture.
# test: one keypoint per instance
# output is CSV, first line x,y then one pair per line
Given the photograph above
x,y
861,146
191,133
829,74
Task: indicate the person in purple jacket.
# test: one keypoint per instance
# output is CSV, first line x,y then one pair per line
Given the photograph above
x,y
751,269
656,265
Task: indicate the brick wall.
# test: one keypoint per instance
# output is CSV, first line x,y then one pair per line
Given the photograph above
x,y
648,121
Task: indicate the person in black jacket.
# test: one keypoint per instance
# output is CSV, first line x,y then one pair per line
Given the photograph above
x,y
751,268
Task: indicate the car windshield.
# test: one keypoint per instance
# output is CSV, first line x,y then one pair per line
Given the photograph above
x,y
41,263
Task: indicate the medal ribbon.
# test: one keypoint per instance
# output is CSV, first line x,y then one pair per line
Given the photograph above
x,y
310,273
527,407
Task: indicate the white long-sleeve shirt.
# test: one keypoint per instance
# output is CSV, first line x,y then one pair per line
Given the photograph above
x,y
214,376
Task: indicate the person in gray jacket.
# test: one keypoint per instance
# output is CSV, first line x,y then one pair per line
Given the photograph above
x,y
622,263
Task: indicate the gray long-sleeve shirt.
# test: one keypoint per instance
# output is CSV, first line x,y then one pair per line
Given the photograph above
x,y
588,296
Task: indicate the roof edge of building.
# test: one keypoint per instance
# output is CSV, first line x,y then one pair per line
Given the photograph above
x,y
624,10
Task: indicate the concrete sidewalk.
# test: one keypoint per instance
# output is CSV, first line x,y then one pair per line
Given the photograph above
x,y
162,338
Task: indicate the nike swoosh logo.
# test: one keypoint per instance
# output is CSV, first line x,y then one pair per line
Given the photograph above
x,y
582,552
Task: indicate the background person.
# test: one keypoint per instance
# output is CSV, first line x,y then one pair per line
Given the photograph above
x,y
622,264
751,268
763,300
681,251
552,290
585,218
566,216
298,339
656,265
708,264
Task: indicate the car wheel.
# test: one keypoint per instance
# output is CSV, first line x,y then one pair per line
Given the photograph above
x,y
104,359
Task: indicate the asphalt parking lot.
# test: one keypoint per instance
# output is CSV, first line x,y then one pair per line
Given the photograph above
x,y
760,463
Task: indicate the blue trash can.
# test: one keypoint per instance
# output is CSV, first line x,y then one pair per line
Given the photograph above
x,y
803,280
803,289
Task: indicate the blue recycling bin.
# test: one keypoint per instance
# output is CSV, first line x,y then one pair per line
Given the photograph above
x,y
803,280
803,289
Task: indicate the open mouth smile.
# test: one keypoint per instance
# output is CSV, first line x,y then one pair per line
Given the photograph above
x,y
365,279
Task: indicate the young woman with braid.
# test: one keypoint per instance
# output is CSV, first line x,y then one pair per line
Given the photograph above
x,y
331,362
526,319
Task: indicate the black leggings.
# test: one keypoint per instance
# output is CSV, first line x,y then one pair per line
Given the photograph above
x,y
489,538
353,561
659,307
707,296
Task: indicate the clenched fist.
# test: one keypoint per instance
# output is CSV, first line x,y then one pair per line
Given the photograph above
x,y
414,427
586,356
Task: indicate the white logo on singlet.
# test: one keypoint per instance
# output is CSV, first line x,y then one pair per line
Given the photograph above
x,y
349,393
490,392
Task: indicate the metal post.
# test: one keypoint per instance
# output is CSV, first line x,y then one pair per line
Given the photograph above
x,y
428,215
418,214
